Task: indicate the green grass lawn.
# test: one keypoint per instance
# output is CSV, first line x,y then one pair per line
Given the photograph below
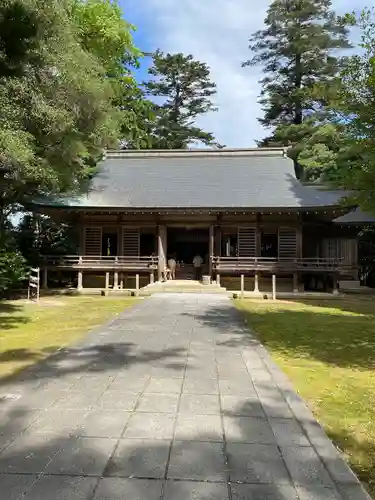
x,y
30,332
328,350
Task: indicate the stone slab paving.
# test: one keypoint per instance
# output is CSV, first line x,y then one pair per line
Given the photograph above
x,y
173,400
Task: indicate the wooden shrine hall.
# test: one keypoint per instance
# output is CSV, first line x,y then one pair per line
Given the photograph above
x,y
243,211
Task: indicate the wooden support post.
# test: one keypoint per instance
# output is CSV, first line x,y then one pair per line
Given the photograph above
x,y
162,250
45,278
218,279
242,285
335,285
137,285
273,287
152,278
295,283
115,280
121,280
80,280
256,282
106,283
211,249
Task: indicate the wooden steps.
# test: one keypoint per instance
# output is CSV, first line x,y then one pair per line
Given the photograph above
x,y
183,286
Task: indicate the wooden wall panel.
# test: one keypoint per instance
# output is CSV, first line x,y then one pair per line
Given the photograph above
x,y
130,242
247,241
93,240
288,244
341,248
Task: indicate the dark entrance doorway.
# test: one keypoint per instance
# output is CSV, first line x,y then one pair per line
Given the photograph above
x,y
269,245
183,244
109,244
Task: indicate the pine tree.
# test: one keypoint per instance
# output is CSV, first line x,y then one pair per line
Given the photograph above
x,y
298,50
184,88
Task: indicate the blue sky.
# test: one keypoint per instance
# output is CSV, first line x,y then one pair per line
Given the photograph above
x,y
215,32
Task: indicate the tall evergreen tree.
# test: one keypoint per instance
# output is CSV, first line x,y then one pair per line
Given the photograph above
x,y
298,50
355,107
184,88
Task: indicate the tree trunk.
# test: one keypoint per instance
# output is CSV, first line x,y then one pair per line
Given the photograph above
x,y
298,112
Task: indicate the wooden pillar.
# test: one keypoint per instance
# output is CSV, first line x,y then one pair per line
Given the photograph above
x,y
152,277
121,280
258,236
80,280
137,285
218,279
335,284
82,234
211,248
273,287
162,250
295,282
115,280
256,282
242,285
45,278
218,237
299,250
106,282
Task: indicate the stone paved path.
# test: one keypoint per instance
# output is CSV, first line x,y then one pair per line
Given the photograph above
x,y
173,400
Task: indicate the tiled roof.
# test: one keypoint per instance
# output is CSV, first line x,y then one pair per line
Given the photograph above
x,y
222,179
355,217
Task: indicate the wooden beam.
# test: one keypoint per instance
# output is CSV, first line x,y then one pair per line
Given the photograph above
x,y
242,286
137,285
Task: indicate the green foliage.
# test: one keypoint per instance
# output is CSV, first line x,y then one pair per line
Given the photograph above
x,y
56,107
66,92
105,33
38,235
184,88
13,269
298,50
355,105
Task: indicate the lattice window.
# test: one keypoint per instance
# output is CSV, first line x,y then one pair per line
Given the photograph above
x,y
247,241
287,243
93,240
130,241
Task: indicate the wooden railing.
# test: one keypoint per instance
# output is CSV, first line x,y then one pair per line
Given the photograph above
x,y
92,262
244,264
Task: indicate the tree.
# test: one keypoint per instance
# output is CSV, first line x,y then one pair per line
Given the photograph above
x,y
38,235
355,107
298,51
66,93
56,103
104,32
183,89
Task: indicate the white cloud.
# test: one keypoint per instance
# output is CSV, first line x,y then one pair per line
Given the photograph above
x,y
217,32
